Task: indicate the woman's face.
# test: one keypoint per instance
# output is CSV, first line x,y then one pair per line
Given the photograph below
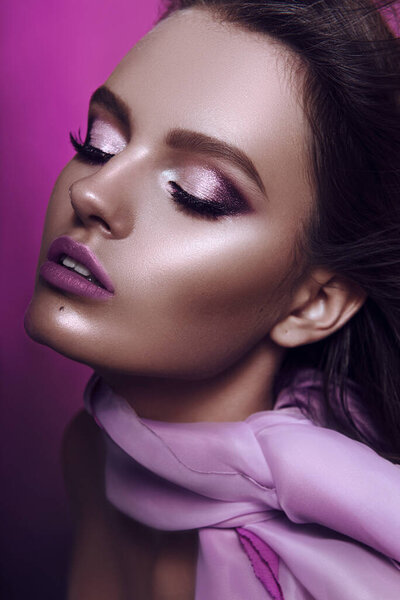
x,y
197,283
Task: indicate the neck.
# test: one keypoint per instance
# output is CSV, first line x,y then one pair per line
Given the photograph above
x,y
239,391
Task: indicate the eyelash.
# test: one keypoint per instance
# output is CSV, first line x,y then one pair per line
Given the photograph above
x,y
94,156
89,153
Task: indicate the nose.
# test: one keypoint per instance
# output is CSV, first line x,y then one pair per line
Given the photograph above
x,y
100,201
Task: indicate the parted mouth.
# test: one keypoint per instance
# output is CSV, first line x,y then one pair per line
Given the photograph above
x,y
79,258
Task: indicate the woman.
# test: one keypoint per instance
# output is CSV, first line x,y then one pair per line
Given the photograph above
x,y
223,252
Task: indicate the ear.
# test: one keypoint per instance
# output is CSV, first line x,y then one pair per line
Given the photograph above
x,y
321,305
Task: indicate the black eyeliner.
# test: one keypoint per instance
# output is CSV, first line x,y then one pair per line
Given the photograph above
x,y
88,152
207,207
193,204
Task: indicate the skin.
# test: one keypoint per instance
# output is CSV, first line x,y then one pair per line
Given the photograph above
x,y
203,309
178,276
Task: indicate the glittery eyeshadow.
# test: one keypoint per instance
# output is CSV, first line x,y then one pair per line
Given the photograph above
x,y
209,185
106,137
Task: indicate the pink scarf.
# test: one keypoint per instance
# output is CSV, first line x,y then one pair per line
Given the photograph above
x,y
285,509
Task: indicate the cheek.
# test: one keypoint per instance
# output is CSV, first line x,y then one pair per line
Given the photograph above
x,y
230,272
232,281
208,299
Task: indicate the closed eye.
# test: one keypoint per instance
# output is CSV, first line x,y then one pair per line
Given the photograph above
x,y
198,205
89,153
193,204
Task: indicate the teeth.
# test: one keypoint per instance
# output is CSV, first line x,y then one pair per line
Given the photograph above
x,y
82,270
68,262
73,264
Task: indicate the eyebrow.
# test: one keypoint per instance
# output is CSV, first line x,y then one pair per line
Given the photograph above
x,y
182,139
115,105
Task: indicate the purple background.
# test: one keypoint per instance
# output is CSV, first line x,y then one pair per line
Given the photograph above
x,y
54,55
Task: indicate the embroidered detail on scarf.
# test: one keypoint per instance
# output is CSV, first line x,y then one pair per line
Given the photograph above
x,y
264,560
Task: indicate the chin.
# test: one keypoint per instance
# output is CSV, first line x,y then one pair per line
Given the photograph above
x,y
31,325
41,326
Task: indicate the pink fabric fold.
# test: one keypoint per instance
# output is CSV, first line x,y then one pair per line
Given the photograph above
x,y
284,508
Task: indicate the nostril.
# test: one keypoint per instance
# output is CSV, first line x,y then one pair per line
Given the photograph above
x,y
102,222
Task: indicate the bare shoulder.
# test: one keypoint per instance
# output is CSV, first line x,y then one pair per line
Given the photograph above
x,y
82,459
80,434
95,572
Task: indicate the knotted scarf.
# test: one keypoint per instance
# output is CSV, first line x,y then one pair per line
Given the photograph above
x,y
284,508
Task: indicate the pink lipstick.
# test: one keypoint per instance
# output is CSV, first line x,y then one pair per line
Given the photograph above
x,y
73,267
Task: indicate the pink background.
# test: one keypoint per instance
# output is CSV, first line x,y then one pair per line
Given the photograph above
x,y
54,55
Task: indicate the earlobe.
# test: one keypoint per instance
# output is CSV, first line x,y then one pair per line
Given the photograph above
x,y
321,306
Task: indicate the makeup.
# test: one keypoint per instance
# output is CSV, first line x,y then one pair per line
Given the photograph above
x,y
74,268
106,137
103,140
204,190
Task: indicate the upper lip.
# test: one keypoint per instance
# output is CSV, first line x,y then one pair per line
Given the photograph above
x,y
82,254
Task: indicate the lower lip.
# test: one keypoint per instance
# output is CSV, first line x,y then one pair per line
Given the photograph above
x,y
69,281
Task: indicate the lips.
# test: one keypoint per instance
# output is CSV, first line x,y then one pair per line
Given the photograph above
x,y
96,284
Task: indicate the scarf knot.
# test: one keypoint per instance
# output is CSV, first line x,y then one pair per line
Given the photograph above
x,y
283,506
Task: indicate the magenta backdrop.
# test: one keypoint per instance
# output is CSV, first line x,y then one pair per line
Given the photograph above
x,y
54,55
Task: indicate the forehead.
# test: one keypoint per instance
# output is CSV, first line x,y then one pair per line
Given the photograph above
x,y
194,72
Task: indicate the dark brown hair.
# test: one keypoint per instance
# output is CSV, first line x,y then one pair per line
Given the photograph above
x,y
351,99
